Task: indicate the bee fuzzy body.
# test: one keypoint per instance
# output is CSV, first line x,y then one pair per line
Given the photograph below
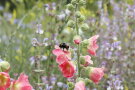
x,y
64,46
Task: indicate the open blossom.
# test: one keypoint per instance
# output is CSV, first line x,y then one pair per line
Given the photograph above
x,y
67,68
87,60
4,81
80,86
96,74
92,47
61,58
21,84
58,51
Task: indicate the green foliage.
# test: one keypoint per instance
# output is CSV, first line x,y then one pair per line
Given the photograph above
x,y
15,39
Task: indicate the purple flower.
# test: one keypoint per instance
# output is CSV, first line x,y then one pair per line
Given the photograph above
x,y
115,44
109,54
39,30
59,84
1,60
35,42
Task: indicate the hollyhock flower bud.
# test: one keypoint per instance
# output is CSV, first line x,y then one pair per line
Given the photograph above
x,y
82,18
70,85
78,14
21,84
80,86
88,82
77,39
71,23
70,7
86,60
82,2
84,26
74,2
95,74
79,79
5,66
85,43
4,81
92,47
68,69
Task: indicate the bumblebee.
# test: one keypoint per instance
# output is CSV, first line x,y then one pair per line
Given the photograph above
x,y
64,46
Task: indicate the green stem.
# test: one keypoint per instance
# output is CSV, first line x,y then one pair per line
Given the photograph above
x,y
38,78
78,60
78,46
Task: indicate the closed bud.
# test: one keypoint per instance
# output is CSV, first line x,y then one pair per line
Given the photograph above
x,y
81,18
85,43
88,81
85,26
82,2
74,2
71,23
78,14
77,39
70,7
79,79
5,66
70,85
82,60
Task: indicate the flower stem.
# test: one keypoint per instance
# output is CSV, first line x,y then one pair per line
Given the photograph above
x,y
78,60
38,69
78,46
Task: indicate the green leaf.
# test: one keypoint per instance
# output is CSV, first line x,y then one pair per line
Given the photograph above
x,y
131,2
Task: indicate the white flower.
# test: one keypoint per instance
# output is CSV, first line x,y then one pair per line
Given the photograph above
x,y
59,84
39,31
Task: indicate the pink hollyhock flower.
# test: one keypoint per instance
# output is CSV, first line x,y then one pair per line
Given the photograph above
x,y
77,40
4,81
92,47
61,58
67,68
80,86
58,51
21,84
87,60
96,74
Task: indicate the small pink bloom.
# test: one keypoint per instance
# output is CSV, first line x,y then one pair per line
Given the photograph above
x,y
92,52
92,47
87,60
77,39
80,86
61,58
96,74
4,81
58,51
67,68
21,84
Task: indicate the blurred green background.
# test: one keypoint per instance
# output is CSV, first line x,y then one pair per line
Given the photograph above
x,y
18,19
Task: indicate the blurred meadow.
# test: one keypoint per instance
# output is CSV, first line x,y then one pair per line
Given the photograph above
x,y
112,20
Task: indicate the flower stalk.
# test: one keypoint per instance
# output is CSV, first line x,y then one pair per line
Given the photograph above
x,y
78,46
38,45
